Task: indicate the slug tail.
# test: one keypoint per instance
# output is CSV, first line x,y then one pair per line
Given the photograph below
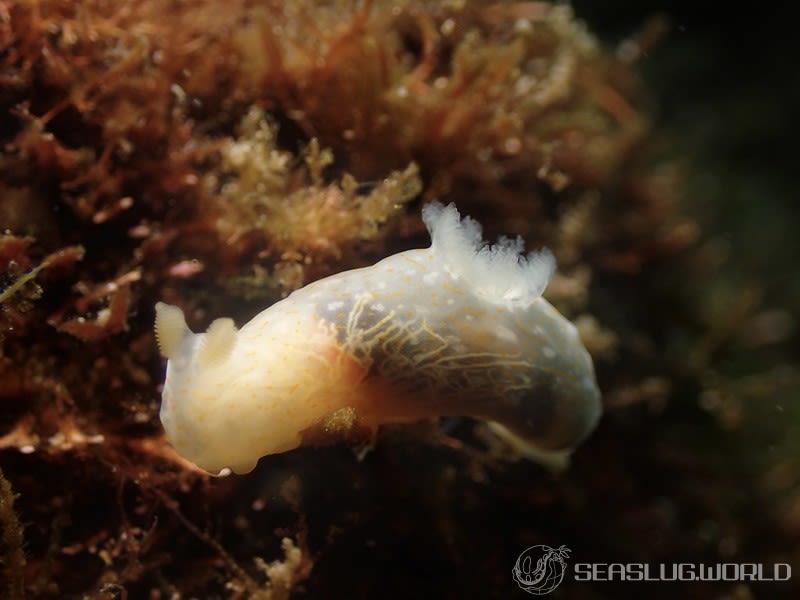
x,y
555,461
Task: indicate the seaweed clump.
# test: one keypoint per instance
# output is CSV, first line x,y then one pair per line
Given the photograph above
x,y
12,539
291,214
217,156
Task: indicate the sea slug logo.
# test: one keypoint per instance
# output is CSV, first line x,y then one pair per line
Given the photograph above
x,y
540,569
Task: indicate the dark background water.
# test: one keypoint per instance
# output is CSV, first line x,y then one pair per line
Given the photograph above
x,y
727,89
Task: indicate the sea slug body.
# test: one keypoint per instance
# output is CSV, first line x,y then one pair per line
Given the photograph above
x,y
456,329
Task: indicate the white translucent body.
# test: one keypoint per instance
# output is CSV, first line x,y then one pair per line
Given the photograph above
x,y
423,333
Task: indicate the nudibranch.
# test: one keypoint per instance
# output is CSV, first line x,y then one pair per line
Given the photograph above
x,y
456,329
